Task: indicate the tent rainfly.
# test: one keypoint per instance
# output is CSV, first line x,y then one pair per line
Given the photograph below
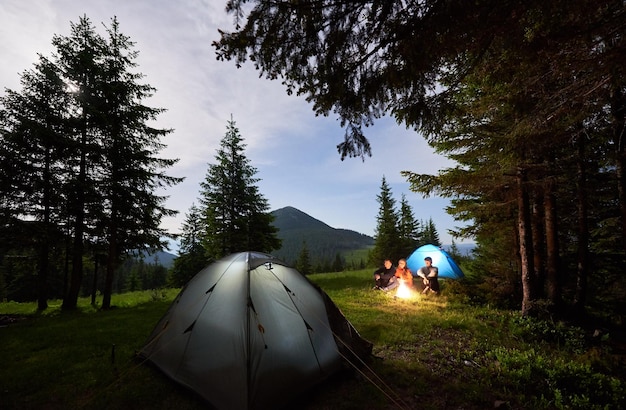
x,y
448,269
249,332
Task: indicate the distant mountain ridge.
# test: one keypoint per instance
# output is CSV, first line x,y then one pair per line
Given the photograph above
x,y
163,258
323,241
296,227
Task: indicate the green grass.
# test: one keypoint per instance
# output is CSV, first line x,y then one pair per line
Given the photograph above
x,y
429,353
355,257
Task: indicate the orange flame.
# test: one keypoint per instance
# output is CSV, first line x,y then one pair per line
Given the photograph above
x,y
403,291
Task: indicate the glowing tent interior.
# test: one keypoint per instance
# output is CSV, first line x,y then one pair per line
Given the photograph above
x,y
249,332
448,269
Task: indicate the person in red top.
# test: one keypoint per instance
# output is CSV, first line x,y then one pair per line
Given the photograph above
x,y
404,274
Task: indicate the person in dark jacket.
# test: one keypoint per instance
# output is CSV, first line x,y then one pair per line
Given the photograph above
x,y
384,276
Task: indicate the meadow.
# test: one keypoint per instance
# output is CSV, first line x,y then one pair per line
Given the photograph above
x,y
430,352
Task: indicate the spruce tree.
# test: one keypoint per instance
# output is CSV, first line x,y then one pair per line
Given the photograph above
x,y
303,264
429,234
132,169
338,263
236,214
454,251
387,235
33,145
79,56
191,257
408,228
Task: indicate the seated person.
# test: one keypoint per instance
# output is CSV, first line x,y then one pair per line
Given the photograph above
x,y
384,275
403,273
429,275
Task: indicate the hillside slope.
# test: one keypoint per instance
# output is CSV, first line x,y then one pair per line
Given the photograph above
x,y
323,242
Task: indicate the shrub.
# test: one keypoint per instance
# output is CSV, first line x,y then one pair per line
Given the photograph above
x,y
564,384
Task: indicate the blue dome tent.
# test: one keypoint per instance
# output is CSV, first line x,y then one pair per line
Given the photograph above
x,y
448,269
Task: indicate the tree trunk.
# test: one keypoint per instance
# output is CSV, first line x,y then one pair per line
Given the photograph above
x,y
67,242
618,113
538,244
553,281
76,277
583,229
525,242
44,249
42,275
94,284
111,265
71,298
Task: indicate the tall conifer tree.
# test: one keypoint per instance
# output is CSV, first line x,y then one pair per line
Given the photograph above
x,y
236,214
408,228
303,264
191,257
387,235
33,147
429,234
78,57
129,146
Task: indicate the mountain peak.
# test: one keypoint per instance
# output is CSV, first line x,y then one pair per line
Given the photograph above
x,y
323,241
288,218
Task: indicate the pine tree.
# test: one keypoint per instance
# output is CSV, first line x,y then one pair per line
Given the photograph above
x,y
408,228
132,170
133,281
454,251
236,214
429,234
191,258
78,57
303,264
33,146
338,263
192,228
387,235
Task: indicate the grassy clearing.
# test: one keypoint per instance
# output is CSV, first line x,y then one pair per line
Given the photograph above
x,y
430,353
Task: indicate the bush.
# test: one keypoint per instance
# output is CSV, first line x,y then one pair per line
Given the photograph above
x,y
564,336
564,384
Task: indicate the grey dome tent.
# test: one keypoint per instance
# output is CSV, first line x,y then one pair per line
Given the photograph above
x,y
249,332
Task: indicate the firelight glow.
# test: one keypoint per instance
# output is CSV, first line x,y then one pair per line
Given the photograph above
x,y
403,291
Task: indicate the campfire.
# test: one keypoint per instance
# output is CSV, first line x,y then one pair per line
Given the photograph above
x,y
403,291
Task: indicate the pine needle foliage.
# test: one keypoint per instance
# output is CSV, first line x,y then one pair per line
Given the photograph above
x,y
236,214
